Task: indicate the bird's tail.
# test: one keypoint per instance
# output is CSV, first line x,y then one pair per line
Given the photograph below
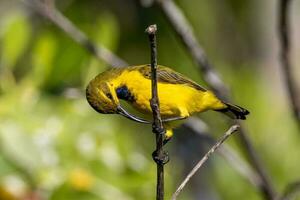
x,y
234,111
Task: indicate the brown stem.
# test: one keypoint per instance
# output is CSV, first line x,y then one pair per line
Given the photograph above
x,y
283,29
157,126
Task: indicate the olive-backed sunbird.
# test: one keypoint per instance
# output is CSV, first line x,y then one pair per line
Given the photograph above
x,y
179,96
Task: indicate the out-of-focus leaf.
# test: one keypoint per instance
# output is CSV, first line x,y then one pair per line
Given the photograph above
x,y
106,33
15,37
42,57
18,147
66,65
66,192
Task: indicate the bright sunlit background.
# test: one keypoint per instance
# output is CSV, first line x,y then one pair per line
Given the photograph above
x,y
53,145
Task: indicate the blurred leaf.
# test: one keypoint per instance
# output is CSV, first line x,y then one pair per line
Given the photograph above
x,y
42,57
81,179
6,195
67,63
15,37
66,192
18,147
105,32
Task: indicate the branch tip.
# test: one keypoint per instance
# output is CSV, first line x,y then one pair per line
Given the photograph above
x,y
151,30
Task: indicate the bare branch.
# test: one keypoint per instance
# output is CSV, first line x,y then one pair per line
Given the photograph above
x,y
232,129
184,30
57,18
291,191
159,155
283,31
234,160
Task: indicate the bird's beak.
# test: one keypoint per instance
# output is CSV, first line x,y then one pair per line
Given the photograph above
x,y
126,114
123,112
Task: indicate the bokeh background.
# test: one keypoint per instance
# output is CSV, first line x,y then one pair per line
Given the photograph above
x,y
53,145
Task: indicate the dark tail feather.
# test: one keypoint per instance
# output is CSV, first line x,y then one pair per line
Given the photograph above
x,y
234,111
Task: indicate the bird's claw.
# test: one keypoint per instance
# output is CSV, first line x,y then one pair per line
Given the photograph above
x,y
166,140
161,159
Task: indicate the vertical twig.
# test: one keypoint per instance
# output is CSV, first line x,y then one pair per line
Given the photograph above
x,y
157,126
283,29
230,131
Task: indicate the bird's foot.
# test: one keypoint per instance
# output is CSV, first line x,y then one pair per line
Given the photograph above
x,y
161,159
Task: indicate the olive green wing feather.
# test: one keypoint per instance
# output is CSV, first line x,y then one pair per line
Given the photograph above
x,y
167,75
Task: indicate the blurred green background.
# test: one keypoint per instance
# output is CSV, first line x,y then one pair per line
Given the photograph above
x,y
53,145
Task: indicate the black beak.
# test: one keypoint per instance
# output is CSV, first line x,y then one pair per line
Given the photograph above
x,y
126,114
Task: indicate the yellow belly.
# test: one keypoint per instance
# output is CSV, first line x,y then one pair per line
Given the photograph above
x,y
175,99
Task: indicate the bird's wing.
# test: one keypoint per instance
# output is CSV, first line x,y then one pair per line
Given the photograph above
x,y
167,75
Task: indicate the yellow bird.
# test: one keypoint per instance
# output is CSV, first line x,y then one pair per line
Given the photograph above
x,y
179,96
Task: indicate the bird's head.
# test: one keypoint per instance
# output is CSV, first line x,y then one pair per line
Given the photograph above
x,y
102,97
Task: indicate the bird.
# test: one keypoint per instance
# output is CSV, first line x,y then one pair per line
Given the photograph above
x,y
179,96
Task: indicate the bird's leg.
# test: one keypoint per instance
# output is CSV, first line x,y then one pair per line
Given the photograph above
x,y
165,157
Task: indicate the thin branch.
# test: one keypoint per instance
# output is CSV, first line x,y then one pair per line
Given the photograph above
x,y
232,129
291,191
233,159
283,30
184,30
157,126
58,19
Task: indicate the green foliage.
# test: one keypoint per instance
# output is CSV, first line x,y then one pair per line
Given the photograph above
x,y
15,36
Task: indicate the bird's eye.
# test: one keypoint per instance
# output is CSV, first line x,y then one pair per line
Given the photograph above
x,y
109,95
